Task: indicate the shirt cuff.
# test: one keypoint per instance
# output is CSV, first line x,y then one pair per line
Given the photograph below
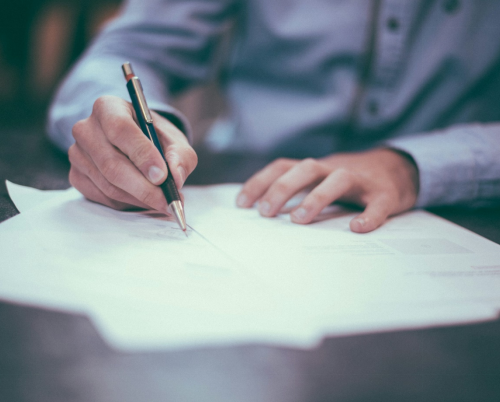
x,y
446,165
175,117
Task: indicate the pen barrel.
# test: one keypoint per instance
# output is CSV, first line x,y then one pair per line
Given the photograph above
x,y
170,190
149,131
168,186
146,123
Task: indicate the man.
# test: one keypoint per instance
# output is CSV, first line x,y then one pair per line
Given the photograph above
x,y
386,104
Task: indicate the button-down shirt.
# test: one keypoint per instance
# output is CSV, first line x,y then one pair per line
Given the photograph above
x,y
314,77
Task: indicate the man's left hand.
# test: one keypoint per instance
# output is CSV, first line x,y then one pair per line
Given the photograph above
x,y
383,181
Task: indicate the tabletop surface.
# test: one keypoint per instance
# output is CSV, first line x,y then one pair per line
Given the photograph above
x,y
53,356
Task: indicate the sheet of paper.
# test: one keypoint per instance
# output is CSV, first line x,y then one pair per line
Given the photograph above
x,y
137,274
238,277
27,198
382,264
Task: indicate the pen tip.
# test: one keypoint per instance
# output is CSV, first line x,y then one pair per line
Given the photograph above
x,y
178,211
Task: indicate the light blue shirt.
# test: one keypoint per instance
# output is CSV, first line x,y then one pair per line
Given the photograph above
x,y
314,77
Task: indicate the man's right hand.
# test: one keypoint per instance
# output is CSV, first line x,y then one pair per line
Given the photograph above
x,y
115,164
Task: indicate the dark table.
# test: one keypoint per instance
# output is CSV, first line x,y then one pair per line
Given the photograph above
x,y
52,356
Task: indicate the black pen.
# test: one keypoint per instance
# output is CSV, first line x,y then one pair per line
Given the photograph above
x,y
146,122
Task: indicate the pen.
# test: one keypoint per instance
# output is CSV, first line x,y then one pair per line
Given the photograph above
x,y
146,122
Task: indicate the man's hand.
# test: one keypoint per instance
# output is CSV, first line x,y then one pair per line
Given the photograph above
x,y
115,164
383,181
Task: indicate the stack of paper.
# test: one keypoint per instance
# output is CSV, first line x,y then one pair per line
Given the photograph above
x,y
239,277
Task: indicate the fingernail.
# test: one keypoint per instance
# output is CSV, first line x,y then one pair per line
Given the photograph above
x,y
264,208
358,224
155,174
242,200
182,174
299,214
361,221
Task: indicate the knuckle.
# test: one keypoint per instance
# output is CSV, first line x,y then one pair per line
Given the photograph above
x,y
182,155
281,187
343,174
100,103
192,156
98,106
278,162
72,154
318,198
281,163
110,191
73,178
76,158
77,181
142,153
111,170
78,130
149,197
255,183
313,166
171,151
116,127
310,164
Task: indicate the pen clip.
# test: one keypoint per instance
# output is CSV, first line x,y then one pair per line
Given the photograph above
x,y
142,100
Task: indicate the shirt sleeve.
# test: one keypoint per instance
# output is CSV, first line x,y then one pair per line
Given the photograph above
x,y
458,165
170,44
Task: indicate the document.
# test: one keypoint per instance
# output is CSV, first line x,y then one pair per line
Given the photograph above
x,y
238,277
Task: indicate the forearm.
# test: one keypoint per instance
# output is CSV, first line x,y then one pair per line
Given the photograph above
x,y
170,44
97,76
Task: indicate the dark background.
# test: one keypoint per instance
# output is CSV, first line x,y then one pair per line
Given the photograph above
x,y
38,42
40,39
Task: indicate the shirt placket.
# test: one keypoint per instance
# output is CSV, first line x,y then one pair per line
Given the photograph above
x,y
392,30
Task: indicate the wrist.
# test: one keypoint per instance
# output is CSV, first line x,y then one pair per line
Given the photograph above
x,y
407,170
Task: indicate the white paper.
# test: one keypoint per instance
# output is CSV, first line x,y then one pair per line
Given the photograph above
x,y
239,277
27,198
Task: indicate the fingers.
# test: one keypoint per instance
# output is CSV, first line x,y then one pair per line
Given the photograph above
x,y
301,175
114,163
83,166
380,180
116,121
259,183
85,186
374,215
342,184
116,168
181,157
115,117
122,162
336,185
182,160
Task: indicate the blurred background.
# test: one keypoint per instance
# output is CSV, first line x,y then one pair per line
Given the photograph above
x,y
40,39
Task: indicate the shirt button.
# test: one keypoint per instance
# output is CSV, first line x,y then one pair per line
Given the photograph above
x,y
392,24
451,6
373,107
